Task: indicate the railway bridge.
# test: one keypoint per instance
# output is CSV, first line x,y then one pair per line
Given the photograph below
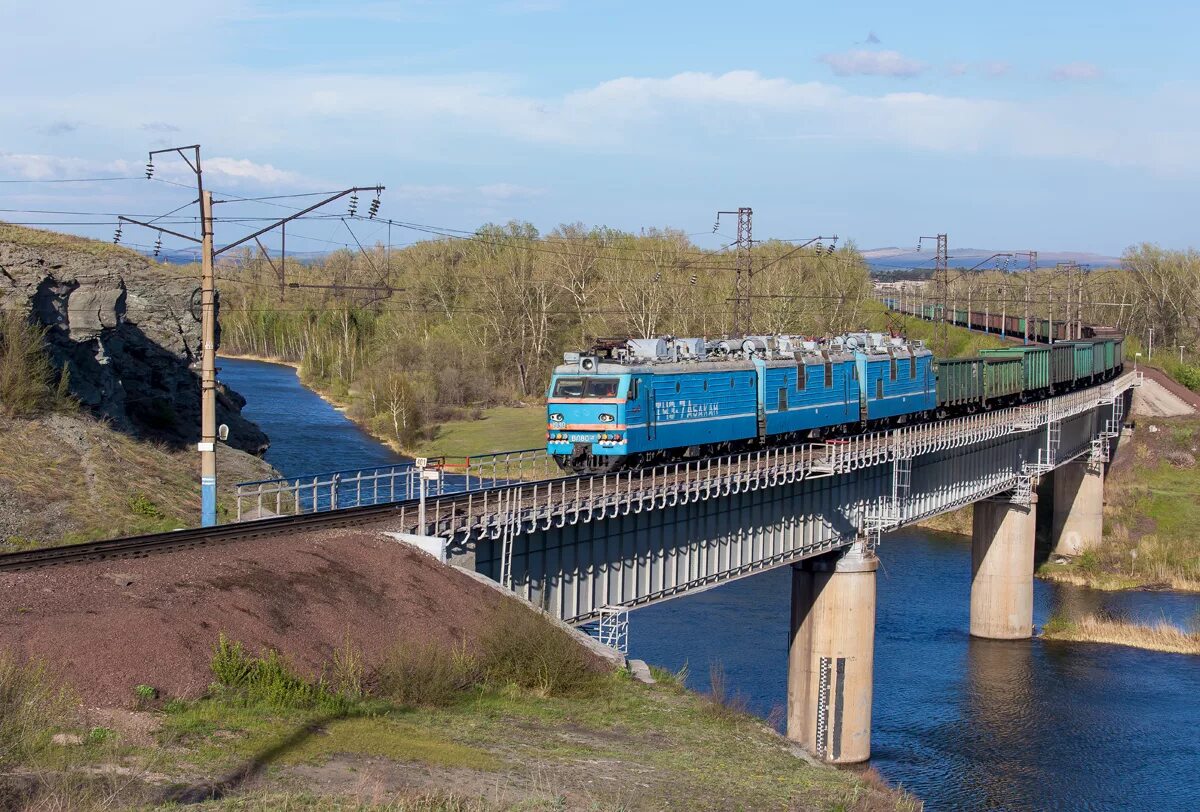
x,y
587,549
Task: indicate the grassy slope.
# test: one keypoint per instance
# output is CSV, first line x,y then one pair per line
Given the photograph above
x,y
40,238
1152,509
632,747
503,428
71,478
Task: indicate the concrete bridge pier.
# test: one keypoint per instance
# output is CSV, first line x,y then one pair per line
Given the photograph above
x,y
1002,541
831,654
1078,508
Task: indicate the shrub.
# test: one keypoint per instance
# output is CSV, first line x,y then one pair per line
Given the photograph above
x,y
32,704
27,379
141,506
523,648
267,680
726,703
427,675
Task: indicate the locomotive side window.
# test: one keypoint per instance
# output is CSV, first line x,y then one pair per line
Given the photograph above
x,y
677,386
783,405
633,390
801,377
893,369
912,366
879,388
828,375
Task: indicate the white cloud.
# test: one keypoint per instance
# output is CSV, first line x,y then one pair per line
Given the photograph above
x,y
240,170
996,68
1077,72
510,191
862,62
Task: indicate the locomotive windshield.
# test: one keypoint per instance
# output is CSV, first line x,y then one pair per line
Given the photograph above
x,y
586,388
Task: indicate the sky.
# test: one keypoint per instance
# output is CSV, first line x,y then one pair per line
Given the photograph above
x,y
1018,125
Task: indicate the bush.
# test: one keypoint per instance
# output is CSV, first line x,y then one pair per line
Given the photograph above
x,y
32,705
267,680
1186,374
521,647
27,379
427,675
141,506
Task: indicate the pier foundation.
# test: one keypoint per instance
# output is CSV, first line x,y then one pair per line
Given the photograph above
x,y
1078,508
831,655
1002,542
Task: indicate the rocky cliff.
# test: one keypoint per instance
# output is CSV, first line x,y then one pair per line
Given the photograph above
x,y
124,328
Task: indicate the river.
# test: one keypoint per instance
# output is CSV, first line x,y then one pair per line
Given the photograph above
x,y
964,724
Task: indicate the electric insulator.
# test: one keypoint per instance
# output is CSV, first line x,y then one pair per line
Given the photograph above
x,y
374,210
117,235
149,169
819,246
158,246
829,250
692,279
353,204
657,276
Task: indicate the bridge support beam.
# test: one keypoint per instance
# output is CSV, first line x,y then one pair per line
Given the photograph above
x,y
1078,508
1002,541
831,655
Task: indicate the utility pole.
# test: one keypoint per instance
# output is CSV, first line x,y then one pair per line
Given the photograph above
x,y
1028,283
743,269
942,272
1079,305
208,311
208,364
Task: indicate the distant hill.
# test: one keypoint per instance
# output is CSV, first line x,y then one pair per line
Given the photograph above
x,y
882,260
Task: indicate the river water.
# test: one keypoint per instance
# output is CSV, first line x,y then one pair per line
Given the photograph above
x,y
964,724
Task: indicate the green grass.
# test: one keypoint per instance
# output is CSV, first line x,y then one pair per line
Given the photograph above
x,y
502,428
1152,514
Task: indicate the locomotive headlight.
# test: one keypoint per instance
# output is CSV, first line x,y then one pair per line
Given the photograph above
x,y
556,418
605,417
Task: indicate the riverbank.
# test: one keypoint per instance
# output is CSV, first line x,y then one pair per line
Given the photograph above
x,y
1151,514
1161,636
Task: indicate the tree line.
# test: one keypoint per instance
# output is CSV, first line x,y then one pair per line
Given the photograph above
x,y
444,327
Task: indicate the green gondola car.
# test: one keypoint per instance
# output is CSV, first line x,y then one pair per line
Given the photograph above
x,y
1035,361
1003,378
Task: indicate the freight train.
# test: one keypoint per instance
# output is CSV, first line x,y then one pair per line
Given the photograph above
x,y
1040,330
632,402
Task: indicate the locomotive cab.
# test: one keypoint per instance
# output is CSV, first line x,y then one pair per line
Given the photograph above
x,y
587,411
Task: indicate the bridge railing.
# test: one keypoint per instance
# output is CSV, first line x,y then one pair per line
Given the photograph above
x,y
334,490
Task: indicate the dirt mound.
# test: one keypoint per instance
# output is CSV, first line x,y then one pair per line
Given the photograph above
x,y
111,626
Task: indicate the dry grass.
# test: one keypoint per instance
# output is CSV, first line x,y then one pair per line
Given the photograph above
x,y
38,238
1162,636
71,478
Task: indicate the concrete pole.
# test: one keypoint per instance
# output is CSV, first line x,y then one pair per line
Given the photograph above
x,y
1078,508
208,369
831,655
1002,542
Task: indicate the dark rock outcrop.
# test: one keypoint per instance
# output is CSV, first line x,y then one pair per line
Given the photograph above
x,y
126,331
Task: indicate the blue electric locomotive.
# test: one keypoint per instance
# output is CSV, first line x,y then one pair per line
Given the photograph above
x,y
644,400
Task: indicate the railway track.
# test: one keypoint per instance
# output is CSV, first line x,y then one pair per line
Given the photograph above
x,y
140,546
